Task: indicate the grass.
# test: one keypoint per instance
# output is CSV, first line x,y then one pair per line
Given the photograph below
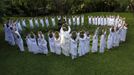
x,y
118,61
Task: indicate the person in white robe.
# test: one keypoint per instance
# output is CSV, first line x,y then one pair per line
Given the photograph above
x,y
110,39
78,20
51,42
82,46
95,42
47,21
73,45
65,39
59,17
69,21
90,20
53,21
28,42
42,22
31,23
19,26
57,40
102,43
74,20
123,33
87,42
36,22
19,41
82,19
24,23
42,43
11,39
33,44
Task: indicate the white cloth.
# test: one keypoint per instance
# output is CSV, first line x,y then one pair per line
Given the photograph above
x,y
42,22
31,23
42,44
65,41
95,44
57,46
73,48
82,46
53,21
36,22
51,44
102,44
87,43
47,22
19,41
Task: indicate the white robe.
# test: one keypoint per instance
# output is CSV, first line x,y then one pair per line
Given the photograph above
x,y
57,46
82,20
78,20
82,46
47,22
123,34
73,48
69,21
28,42
36,22
65,41
19,41
95,44
102,44
87,43
42,22
11,39
31,23
23,23
42,44
19,26
53,21
89,20
51,44
74,20
34,46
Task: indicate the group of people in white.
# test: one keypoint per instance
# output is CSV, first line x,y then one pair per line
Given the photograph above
x,y
67,42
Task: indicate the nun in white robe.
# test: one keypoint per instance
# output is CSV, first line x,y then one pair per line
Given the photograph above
x,y
110,40
28,42
47,21
87,43
82,19
89,20
19,41
69,21
102,43
78,20
36,22
123,33
74,47
33,45
24,23
31,23
11,39
53,21
74,20
82,46
57,45
42,22
65,40
19,26
95,44
51,43
42,44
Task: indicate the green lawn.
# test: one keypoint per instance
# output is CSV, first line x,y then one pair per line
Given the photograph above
x,y
118,61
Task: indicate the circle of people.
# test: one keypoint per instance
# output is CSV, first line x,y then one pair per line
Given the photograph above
x,y
74,44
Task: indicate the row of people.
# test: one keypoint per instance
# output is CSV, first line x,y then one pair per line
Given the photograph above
x,y
74,20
